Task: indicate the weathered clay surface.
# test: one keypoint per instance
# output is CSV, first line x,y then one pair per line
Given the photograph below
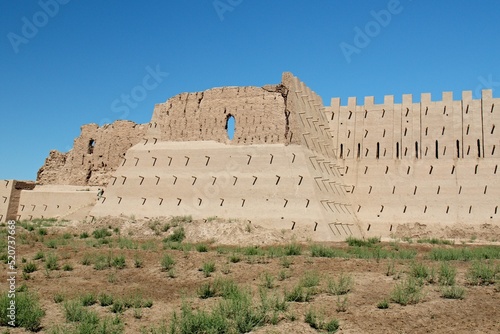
x,y
96,153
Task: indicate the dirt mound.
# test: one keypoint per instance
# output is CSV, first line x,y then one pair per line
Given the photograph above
x,y
460,232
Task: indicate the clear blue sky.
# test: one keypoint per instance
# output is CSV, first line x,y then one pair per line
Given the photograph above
x,y
82,56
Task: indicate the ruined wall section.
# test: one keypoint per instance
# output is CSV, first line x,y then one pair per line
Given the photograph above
x,y
259,116
6,187
56,201
432,162
96,153
10,193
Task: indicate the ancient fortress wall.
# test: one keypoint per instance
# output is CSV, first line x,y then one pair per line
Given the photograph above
x,y
5,194
10,193
431,162
95,154
333,171
261,176
259,114
62,202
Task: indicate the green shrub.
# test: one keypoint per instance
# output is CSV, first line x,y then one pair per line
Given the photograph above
x,y
39,256
51,262
105,299
167,262
101,233
293,249
351,241
234,258
310,279
28,310
177,236
446,274
88,299
340,286
482,273
74,310
202,248
119,262
407,292
206,290
298,294
84,235
267,280
453,292
383,304
42,231
29,268
324,251
208,268
58,298
118,306
67,267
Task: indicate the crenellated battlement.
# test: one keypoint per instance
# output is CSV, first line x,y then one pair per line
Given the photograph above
x,y
425,98
448,128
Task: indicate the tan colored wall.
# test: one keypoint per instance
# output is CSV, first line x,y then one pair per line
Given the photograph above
x,y
89,164
259,114
446,186
10,193
5,194
267,184
56,202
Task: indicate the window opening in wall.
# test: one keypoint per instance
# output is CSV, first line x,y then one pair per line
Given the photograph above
x,y
397,150
406,130
437,150
492,128
91,146
426,150
406,151
430,170
426,110
393,189
468,149
442,132
348,133
425,209
479,148
475,169
426,130
407,111
439,189
470,209
458,148
386,169
468,126
230,126
493,150
447,209
496,167
453,169
404,209
485,189
359,150
341,151
378,150
383,135
416,149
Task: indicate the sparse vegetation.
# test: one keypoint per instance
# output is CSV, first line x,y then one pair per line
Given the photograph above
x,y
340,286
407,292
